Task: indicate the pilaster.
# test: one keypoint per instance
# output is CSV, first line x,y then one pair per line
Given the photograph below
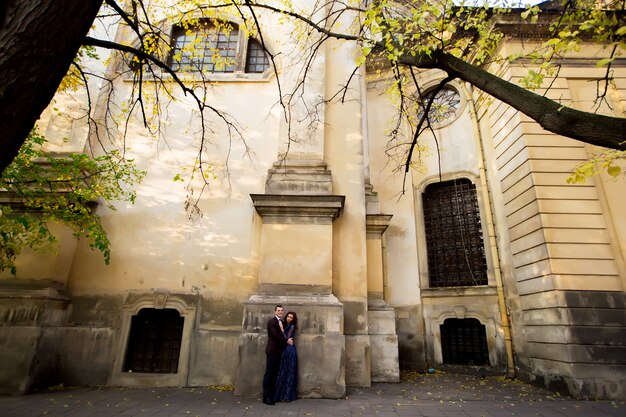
x,y
296,260
381,317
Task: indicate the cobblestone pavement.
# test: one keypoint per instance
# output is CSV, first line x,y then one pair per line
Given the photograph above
x,y
445,395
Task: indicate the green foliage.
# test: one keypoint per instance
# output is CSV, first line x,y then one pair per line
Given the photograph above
x,y
418,28
466,30
42,190
577,22
74,78
610,161
392,31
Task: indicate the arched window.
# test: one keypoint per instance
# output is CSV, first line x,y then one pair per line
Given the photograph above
x,y
454,238
215,47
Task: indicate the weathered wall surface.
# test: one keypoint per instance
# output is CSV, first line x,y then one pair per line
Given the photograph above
x,y
400,263
559,247
27,309
454,152
320,342
565,257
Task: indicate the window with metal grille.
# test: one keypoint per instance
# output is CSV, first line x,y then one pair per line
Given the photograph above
x,y
257,60
154,341
205,47
213,47
454,238
464,342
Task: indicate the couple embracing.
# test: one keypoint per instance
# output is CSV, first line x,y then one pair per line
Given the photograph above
x,y
280,382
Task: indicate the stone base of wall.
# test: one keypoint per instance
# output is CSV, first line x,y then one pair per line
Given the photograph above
x,y
410,331
383,345
37,357
358,361
213,357
18,347
29,311
576,343
320,343
48,339
74,356
610,386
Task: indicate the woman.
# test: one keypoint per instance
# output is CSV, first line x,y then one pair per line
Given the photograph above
x,y
287,381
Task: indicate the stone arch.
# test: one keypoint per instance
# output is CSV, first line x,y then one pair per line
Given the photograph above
x,y
157,300
461,311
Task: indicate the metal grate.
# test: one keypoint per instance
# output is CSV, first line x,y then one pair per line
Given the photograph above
x,y
464,342
154,341
257,60
204,48
445,105
454,239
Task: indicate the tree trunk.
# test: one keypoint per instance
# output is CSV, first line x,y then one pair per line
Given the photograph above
x,y
38,41
595,129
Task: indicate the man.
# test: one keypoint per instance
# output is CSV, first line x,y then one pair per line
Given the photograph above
x,y
276,343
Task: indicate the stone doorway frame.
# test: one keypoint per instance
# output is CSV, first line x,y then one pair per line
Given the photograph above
x,y
495,344
157,300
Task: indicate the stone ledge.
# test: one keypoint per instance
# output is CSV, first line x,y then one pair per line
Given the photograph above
x,y
33,289
457,291
324,300
294,289
376,224
286,208
301,177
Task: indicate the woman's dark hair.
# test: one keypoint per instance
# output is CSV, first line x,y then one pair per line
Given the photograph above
x,y
295,318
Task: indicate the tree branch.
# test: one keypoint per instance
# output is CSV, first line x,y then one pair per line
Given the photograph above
x,y
595,129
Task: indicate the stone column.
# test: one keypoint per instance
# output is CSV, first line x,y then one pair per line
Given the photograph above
x,y
296,254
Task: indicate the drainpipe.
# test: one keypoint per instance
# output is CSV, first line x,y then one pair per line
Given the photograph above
x,y
493,247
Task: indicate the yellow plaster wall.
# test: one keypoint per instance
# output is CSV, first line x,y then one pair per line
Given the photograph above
x,y
374,266
296,254
344,154
402,270
159,242
54,264
560,234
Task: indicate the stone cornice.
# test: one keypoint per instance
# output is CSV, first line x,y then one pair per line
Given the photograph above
x,y
18,204
376,224
288,208
33,289
478,291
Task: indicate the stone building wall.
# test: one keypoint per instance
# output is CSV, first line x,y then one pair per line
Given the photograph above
x,y
321,229
564,256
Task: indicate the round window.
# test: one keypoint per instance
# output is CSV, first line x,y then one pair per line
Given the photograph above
x,y
445,106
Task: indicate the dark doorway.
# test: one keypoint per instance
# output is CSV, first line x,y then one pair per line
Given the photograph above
x,y
464,342
154,341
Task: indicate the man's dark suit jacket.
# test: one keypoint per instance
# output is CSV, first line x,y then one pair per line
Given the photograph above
x,y
276,341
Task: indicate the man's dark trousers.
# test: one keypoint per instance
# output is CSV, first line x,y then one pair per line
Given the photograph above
x,y
269,379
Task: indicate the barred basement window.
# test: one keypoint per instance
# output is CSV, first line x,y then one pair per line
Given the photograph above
x,y
215,47
154,341
454,239
464,342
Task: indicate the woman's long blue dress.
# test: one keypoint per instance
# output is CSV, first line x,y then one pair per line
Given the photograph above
x,y
287,380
